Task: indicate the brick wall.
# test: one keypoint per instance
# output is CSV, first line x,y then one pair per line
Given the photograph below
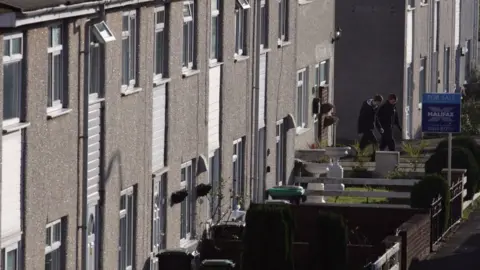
x,y
415,235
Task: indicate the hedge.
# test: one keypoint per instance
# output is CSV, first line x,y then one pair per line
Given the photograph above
x,y
424,192
461,159
467,142
329,248
268,238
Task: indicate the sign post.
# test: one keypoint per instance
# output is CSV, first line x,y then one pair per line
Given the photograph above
x,y
441,114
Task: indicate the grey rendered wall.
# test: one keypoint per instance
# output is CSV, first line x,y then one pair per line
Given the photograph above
x,y
186,112
315,28
281,84
469,25
422,48
447,9
1,147
51,153
127,140
369,58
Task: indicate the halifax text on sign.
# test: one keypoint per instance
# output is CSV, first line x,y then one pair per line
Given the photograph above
x,y
441,113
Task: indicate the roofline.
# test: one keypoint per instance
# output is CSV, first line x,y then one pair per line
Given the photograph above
x,y
17,18
12,8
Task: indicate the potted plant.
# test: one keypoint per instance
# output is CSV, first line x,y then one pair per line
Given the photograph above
x,y
362,156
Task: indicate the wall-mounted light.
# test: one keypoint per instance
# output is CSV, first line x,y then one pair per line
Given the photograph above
x,y
336,35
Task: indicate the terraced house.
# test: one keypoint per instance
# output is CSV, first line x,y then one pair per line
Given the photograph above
x,y
112,110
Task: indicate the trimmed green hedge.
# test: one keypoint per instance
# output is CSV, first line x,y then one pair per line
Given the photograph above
x,y
329,249
268,238
467,142
461,159
424,192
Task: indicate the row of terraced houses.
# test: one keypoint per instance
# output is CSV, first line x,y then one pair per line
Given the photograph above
x,y
111,108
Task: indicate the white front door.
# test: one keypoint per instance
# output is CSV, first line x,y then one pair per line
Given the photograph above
x,y
92,226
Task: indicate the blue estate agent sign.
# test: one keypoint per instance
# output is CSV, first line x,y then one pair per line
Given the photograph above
x,y
441,113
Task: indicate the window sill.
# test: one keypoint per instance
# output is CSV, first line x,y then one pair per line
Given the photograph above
x,y
301,131
57,113
240,58
282,44
423,4
131,91
265,50
190,72
409,8
95,101
161,81
216,64
15,127
160,171
304,2
189,245
419,106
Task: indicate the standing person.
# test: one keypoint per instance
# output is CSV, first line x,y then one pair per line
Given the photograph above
x,y
367,121
388,117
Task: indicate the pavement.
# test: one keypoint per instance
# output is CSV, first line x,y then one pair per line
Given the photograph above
x,y
460,251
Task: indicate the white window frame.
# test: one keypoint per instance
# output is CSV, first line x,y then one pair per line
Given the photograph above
x,y
159,28
424,70
241,17
93,73
280,141
53,51
302,120
104,36
215,31
447,54
190,205
238,185
129,34
214,176
10,248
191,21
158,228
11,59
54,245
123,213
264,24
283,21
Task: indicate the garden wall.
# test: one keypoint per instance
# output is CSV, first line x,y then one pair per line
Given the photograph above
x,y
415,235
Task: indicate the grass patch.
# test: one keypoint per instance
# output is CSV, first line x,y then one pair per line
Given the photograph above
x,y
466,213
358,200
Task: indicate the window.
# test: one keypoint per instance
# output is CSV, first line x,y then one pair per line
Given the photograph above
x,y
411,3
282,21
241,10
280,152
10,257
129,50
187,207
95,61
54,256
238,180
264,24
302,99
102,32
422,81
215,32
55,68
159,214
436,25
159,67
188,35
322,73
12,78
127,229
446,70
214,180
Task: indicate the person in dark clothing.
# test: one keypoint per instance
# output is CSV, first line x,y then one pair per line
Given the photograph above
x,y
388,117
367,121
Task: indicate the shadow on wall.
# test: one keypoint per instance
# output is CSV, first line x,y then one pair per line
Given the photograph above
x,y
115,160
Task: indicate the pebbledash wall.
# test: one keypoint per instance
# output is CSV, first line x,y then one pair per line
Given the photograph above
x,y
73,166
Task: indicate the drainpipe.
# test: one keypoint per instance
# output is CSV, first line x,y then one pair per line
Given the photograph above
x,y
256,90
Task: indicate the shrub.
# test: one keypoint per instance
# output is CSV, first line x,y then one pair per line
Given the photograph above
x,y
461,159
429,188
329,249
467,142
268,238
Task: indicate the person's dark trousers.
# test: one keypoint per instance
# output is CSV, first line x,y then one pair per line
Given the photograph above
x,y
387,140
369,137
